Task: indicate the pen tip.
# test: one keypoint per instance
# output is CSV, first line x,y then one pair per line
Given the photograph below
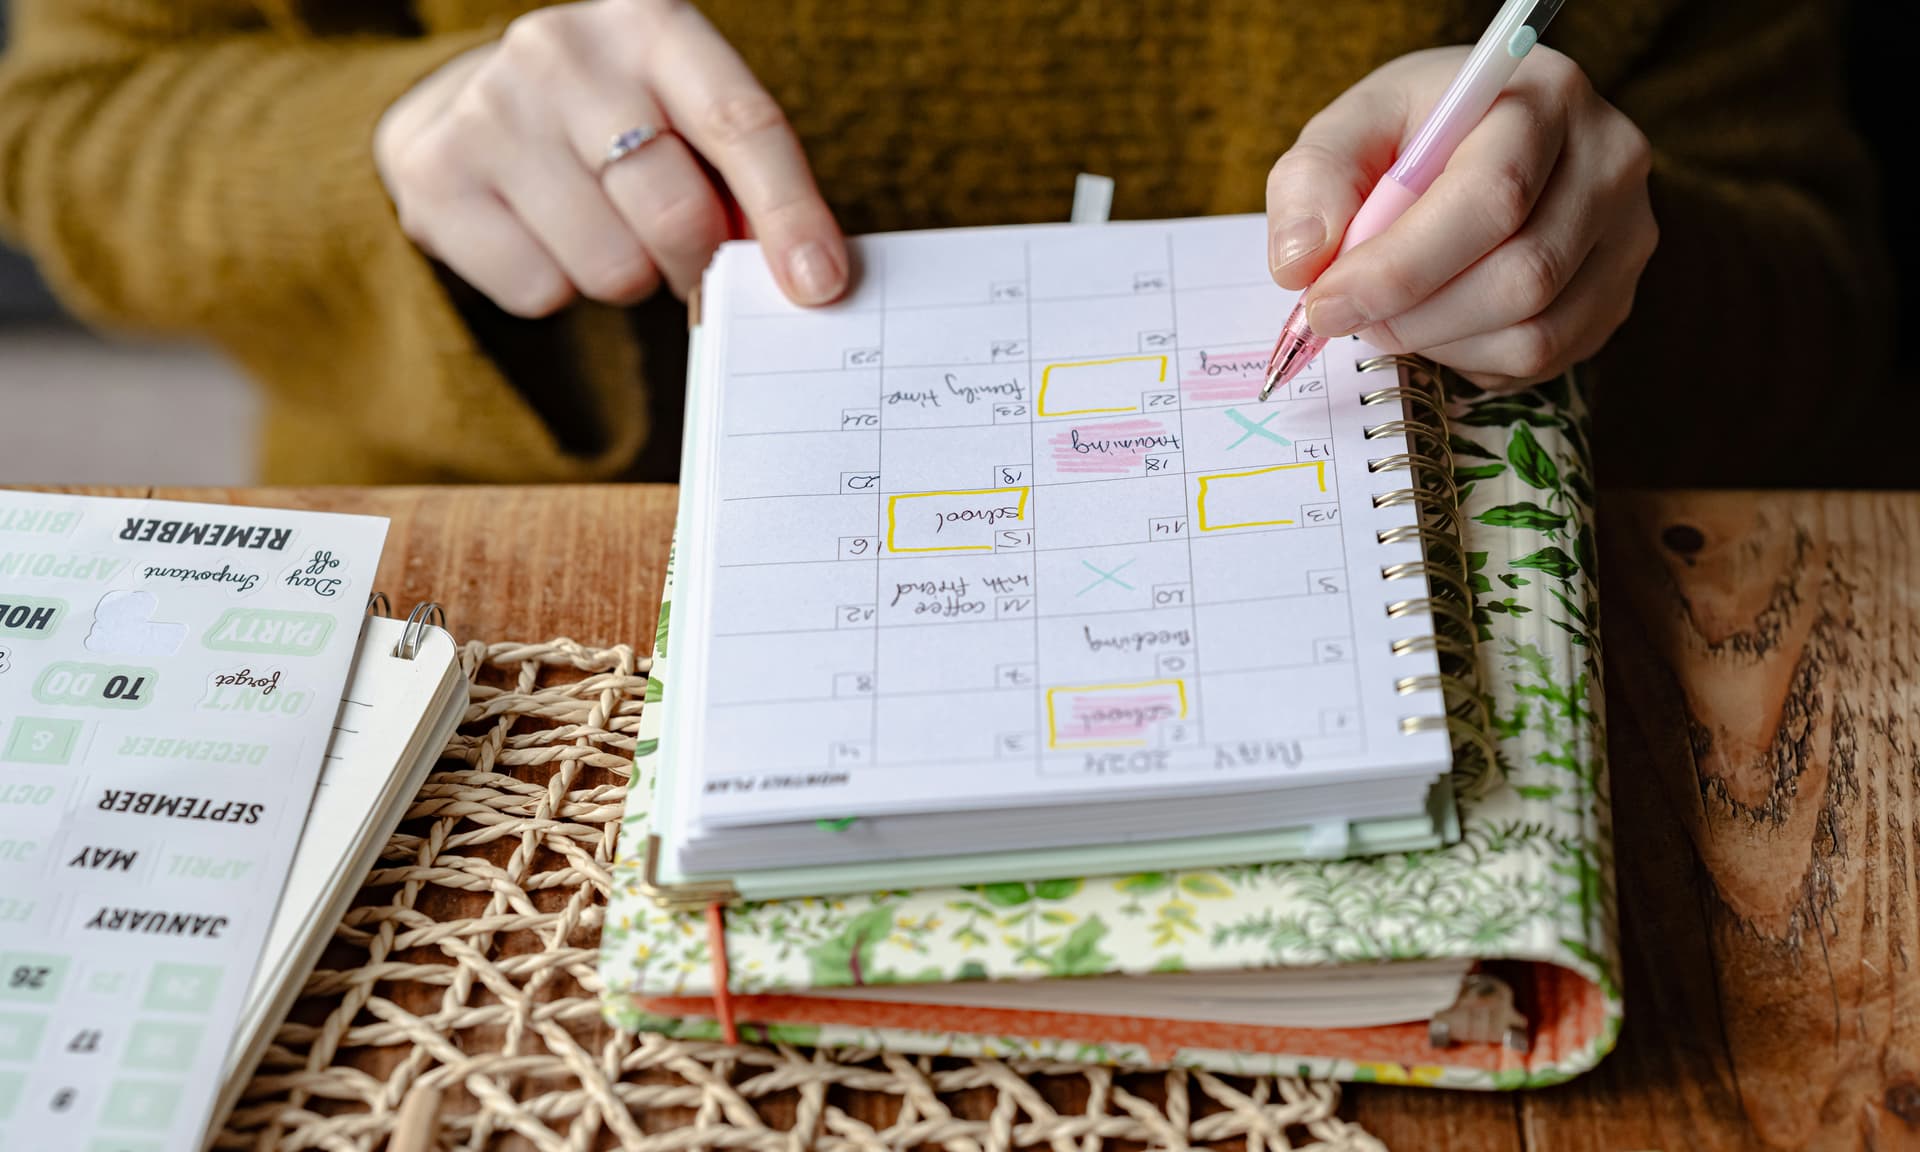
x,y
1281,368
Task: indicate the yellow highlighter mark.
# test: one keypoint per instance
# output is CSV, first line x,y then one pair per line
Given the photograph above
x,y
971,509
1112,715
1214,482
1075,372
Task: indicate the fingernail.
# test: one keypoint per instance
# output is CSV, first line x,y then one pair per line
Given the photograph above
x,y
815,273
1335,316
1295,239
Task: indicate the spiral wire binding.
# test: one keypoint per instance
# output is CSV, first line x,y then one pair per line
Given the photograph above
x,y
426,614
1443,571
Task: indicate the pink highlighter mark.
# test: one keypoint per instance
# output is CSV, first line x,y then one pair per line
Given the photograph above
x,y
1225,376
1110,716
1113,447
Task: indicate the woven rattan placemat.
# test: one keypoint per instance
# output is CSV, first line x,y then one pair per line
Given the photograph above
x,y
467,967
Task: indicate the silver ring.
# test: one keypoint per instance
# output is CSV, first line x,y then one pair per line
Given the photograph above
x,y
627,143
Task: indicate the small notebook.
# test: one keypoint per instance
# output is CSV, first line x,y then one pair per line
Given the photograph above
x,y
1489,962
1001,568
404,698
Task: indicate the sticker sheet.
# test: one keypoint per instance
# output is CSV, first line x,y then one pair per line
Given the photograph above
x,y
169,674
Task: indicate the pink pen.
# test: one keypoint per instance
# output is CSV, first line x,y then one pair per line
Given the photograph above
x,y
1513,33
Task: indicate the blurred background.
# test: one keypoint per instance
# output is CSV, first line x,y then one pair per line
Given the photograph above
x,y
203,410
51,367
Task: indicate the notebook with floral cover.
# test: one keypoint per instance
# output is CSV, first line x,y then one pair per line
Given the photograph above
x,y
1525,893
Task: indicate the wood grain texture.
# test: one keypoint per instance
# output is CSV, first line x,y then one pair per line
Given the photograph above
x,y
1760,656
582,562
1762,714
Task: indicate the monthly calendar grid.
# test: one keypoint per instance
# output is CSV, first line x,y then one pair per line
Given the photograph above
x,y
893,370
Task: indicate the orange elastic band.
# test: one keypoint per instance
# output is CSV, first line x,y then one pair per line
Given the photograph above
x,y
722,993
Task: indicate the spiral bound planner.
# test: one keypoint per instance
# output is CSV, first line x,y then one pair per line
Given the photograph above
x,y
1026,688
999,568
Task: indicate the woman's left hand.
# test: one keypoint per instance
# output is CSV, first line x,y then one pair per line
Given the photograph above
x,y
1518,262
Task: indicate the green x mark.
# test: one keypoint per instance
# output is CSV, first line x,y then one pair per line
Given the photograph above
x,y
1253,429
1106,577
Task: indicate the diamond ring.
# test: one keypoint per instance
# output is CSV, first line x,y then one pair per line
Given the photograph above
x,y
627,143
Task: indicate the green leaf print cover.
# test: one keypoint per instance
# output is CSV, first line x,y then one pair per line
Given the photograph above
x,y
1530,879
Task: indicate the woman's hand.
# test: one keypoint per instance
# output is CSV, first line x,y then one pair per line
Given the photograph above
x,y
1522,258
496,162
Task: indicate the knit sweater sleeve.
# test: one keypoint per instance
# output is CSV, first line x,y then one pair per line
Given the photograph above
x,y
194,167
1762,326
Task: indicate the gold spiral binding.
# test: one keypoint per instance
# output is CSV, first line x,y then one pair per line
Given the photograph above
x,y
1452,656
1479,741
1430,473
1437,508
1427,537
1421,420
1441,579
1424,436
1439,606
1463,700
1414,397
1441,645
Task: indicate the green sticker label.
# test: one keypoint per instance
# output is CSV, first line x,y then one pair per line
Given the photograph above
x,y
20,1036
11,1085
106,983
31,977
40,740
30,616
181,988
42,521
147,1104
268,630
27,795
95,685
161,1045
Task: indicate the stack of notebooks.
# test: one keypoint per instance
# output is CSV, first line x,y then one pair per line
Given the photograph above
x,y
1029,687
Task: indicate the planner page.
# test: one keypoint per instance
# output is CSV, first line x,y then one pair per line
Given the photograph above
x,y
1011,525
169,675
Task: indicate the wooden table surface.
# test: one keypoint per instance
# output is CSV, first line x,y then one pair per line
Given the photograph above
x,y
1764,730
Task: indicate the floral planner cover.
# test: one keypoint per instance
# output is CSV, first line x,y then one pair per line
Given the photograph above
x,y
1530,881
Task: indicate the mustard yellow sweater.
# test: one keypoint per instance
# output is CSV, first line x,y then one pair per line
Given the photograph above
x,y
203,166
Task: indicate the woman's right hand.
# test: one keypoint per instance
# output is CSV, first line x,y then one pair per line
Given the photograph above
x,y
496,162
